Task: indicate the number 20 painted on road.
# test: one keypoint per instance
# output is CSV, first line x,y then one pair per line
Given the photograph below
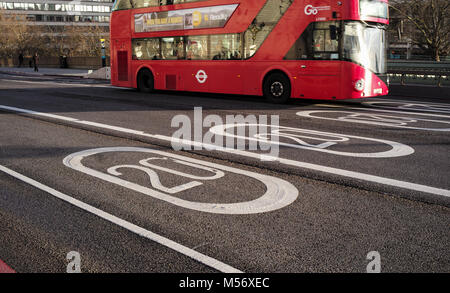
x,y
279,193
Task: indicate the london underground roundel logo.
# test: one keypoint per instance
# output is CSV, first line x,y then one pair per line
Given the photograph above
x,y
201,76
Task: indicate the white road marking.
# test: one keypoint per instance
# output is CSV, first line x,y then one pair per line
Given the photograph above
x,y
384,110
299,164
279,193
327,140
376,119
407,101
412,106
204,259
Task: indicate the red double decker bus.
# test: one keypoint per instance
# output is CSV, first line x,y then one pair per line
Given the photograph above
x,y
314,49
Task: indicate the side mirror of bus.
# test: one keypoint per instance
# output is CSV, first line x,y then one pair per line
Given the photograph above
x,y
333,32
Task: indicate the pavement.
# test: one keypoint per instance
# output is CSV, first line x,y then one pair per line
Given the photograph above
x,y
64,72
91,168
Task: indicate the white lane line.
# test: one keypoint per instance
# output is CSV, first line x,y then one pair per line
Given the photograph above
x,y
324,169
204,259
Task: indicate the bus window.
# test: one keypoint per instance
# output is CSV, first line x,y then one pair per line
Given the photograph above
x,y
197,48
123,4
263,24
316,43
146,49
226,47
172,48
129,4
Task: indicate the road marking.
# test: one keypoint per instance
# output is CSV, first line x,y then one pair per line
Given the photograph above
x,y
279,193
204,259
5,269
375,119
411,106
298,164
383,110
406,101
325,139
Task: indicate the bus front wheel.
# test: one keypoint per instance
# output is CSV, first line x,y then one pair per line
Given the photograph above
x,y
145,81
277,88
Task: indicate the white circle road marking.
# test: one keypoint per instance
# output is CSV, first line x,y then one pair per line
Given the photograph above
x,y
279,193
298,164
412,106
397,149
202,258
375,119
373,109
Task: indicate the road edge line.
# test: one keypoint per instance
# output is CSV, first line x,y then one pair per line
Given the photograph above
x,y
204,259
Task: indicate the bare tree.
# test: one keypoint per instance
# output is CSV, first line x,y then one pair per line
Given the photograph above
x,y
431,20
76,41
17,36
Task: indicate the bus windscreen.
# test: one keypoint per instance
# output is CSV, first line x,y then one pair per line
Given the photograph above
x,y
374,8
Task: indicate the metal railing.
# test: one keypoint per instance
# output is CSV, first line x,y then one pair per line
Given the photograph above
x,y
431,73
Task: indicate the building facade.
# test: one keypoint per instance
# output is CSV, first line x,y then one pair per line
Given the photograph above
x,y
61,12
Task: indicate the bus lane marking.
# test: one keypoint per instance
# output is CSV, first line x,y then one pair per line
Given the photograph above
x,y
324,140
298,164
410,106
383,110
202,258
279,193
375,119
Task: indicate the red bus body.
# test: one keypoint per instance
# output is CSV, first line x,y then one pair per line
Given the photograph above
x,y
311,79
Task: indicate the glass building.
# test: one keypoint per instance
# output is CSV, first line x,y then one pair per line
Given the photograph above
x,y
61,12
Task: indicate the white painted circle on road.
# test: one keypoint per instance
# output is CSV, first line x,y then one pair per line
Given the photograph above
x,y
325,140
376,119
279,193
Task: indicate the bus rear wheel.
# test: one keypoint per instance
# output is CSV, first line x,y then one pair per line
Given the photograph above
x,y
277,88
145,81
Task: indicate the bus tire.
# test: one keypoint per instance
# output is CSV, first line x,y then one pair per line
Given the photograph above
x,y
145,81
277,88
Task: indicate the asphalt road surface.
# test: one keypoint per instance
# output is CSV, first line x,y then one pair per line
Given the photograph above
x,y
89,168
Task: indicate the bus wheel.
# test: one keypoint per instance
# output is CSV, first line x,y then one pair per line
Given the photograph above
x,y
145,82
277,88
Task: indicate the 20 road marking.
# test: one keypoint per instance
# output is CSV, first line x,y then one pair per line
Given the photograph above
x,y
209,261
298,164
